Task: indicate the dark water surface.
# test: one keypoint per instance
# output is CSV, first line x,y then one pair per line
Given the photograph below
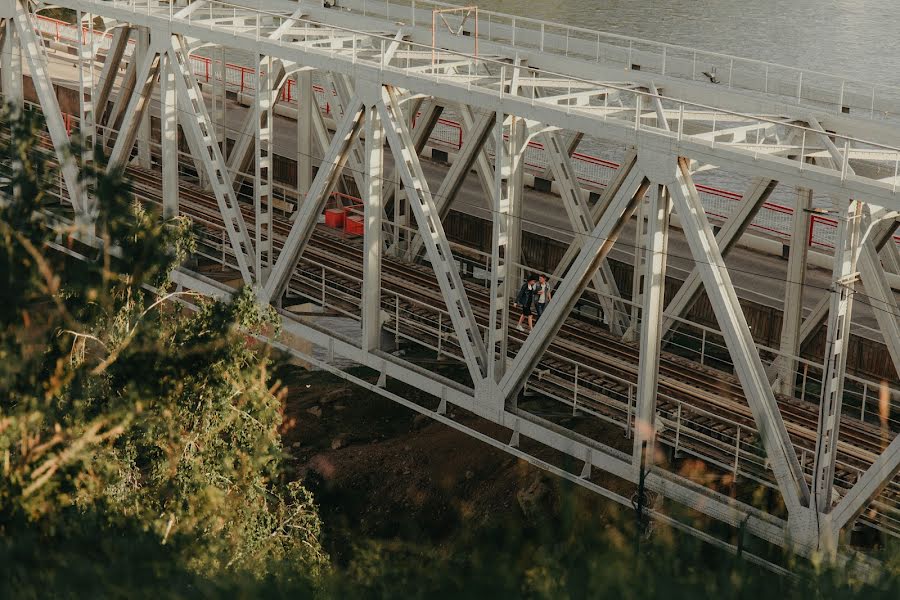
x,y
858,39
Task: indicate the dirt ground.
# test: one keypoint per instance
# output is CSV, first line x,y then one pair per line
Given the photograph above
x,y
379,470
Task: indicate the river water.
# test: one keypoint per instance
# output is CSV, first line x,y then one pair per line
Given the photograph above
x,y
858,39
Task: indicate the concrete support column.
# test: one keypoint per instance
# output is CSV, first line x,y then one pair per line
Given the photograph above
x,y
143,138
793,293
372,240
168,119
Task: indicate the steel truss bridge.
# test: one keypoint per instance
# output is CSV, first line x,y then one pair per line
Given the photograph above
x,y
394,69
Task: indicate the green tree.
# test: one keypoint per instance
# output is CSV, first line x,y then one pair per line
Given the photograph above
x,y
130,411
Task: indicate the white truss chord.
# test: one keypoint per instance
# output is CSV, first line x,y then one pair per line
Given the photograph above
x,y
138,105
373,246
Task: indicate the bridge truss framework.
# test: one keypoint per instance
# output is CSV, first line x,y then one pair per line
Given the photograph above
x,y
387,64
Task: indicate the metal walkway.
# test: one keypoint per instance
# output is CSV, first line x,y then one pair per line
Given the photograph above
x,y
394,69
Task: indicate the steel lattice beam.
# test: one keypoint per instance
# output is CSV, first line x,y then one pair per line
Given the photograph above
x,y
431,229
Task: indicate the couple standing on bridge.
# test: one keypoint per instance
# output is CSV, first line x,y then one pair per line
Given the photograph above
x,y
536,293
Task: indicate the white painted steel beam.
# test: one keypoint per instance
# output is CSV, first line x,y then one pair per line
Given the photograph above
x,y
168,134
121,100
138,108
142,50
306,217
36,57
744,355
869,485
510,140
575,202
201,136
651,327
111,65
11,81
792,313
882,300
471,148
431,229
263,116
373,212
735,225
621,206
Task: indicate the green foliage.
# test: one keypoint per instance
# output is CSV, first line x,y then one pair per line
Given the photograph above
x,y
125,413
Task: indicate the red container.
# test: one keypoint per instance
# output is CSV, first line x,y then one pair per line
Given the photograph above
x,y
353,225
334,217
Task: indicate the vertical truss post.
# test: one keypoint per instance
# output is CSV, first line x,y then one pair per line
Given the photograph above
x,y
11,65
36,57
638,272
306,104
262,175
219,100
839,316
168,137
651,326
792,316
373,212
509,141
747,363
580,218
142,49
201,137
431,228
87,114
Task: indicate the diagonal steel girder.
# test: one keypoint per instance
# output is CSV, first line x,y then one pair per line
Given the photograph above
x,y
111,65
201,136
307,215
596,211
241,154
138,104
439,253
632,186
881,234
580,219
867,487
747,363
36,57
471,150
734,227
